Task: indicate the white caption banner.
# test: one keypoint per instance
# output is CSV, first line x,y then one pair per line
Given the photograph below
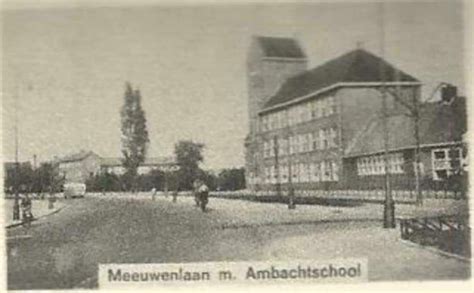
x,y
121,276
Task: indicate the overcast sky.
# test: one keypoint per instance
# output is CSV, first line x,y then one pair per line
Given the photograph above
x,y
70,67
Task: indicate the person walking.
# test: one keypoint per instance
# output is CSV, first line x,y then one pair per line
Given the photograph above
x,y
153,193
203,196
26,206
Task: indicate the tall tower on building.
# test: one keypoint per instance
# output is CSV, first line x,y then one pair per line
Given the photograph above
x,y
270,62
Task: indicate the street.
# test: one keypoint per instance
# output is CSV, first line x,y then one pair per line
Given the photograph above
x,y
64,249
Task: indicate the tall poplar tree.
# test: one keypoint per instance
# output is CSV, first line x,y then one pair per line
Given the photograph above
x,y
134,134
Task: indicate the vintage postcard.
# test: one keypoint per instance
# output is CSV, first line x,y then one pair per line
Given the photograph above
x,y
163,145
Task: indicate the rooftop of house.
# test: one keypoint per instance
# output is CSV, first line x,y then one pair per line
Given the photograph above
x,y
75,157
280,47
439,123
153,161
355,66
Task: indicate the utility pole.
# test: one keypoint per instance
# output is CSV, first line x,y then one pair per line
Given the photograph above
x,y
389,205
277,165
416,117
16,204
291,190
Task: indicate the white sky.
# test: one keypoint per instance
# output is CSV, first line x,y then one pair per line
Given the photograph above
x,y
70,66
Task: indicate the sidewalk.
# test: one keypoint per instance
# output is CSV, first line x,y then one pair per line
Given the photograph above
x,y
242,213
250,213
40,209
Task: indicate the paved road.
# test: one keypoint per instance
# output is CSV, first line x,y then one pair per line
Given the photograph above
x,y
64,249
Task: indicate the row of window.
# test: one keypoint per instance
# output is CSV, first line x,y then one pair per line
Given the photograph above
x,y
375,165
322,139
446,161
299,113
324,171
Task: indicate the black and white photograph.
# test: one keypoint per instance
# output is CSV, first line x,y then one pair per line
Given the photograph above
x,y
159,144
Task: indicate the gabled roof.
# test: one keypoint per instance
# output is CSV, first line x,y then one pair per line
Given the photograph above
x,y
280,47
355,66
439,123
153,161
75,157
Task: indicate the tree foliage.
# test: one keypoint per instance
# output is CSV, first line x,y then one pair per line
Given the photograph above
x,y
45,178
134,133
231,179
188,157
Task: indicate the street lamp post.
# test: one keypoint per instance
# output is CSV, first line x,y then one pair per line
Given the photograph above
x,y
389,205
16,204
291,190
277,166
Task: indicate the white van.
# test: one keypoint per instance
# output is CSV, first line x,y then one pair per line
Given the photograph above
x,y
72,190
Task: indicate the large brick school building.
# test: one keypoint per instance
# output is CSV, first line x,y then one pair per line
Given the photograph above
x,y
322,127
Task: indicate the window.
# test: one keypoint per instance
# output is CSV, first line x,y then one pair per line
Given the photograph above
x,y
331,106
284,173
335,171
267,149
294,173
304,144
446,161
315,141
315,172
332,135
323,139
304,172
268,175
375,165
323,106
314,109
282,146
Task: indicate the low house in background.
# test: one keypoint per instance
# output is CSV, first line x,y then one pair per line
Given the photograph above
x,y
115,166
81,166
78,167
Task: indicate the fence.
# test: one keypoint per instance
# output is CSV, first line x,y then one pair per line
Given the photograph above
x,y
449,233
376,195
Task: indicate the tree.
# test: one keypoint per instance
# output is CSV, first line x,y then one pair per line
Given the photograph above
x,y
188,156
134,134
231,179
209,178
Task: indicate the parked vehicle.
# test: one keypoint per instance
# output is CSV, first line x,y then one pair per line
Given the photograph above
x,y
72,190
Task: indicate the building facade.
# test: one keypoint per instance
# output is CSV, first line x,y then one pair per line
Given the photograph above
x,y
79,167
115,166
308,127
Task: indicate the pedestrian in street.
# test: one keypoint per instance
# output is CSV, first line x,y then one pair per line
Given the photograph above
x,y
203,192
26,206
153,193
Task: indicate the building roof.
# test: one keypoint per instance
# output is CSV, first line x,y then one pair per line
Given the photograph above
x,y
355,66
12,165
153,161
280,47
439,123
75,157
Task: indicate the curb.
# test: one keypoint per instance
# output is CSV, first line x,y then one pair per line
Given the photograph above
x,y
35,219
307,222
436,251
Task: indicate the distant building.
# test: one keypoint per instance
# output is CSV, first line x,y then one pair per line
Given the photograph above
x,y
321,128
80,166
441,127
115,166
